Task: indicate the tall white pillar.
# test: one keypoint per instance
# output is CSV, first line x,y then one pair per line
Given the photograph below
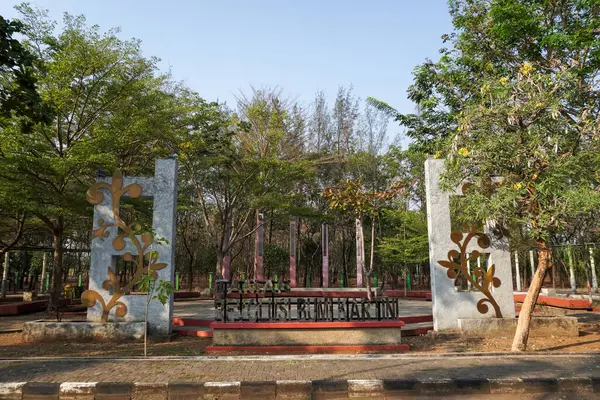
x,y
42,289
5,275
593,266
518,273
571,270
531,263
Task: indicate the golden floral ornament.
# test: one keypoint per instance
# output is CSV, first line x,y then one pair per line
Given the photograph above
x,y
484,279
146,261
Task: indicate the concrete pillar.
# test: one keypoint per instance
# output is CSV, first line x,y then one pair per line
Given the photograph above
x,y
325,253
293,253
593,266
360,254
531,264
258,248
42,288
5,275
518,273
571,270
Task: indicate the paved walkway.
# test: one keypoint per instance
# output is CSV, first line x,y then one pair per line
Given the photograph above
x,y
298,368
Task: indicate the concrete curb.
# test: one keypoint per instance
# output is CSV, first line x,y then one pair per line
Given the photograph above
x,y
318,389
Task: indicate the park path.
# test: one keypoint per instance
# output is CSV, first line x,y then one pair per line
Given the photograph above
x,y
160,370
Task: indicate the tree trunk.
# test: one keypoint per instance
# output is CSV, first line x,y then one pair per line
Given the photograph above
x,y
191,275
522,332
57,264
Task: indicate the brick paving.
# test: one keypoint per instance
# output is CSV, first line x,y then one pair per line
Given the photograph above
x,y
296,368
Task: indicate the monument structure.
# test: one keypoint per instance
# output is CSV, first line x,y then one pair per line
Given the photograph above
x,y
153,252
451,254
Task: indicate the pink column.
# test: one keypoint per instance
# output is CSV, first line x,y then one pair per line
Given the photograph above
x,y
325,252
293,253
258,249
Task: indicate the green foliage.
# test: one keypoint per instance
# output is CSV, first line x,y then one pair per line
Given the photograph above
x,y
276,260
409,243
157,289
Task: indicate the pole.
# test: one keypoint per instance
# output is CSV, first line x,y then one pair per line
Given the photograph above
x,y
325,253
518,274
593,265
293,253
571,270
210,279
43,271
5,275
258,248
177,282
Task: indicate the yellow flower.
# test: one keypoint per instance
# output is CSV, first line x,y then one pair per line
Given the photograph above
x,y
504,80
526,69
463,152
538,104
438,154
517,186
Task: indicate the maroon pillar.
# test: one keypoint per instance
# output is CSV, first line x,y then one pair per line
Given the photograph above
x,y
293,253
258,248
325,252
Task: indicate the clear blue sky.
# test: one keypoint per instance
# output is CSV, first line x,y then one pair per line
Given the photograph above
x,y
219,47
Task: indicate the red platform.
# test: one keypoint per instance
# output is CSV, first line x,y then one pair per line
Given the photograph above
x,y
573,304
23,307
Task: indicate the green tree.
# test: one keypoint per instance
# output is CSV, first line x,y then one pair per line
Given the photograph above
x,y
18,92
532,120
100,90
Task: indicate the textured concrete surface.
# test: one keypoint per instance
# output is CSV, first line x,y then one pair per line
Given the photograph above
x,y
298,337
448,304
540,326
162,188
268,368
42,331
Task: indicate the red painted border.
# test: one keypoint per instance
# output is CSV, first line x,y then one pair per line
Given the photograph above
x,y
23,307
306,325
409,293
207,334
415,319
192,322
417,331
309,349
577,304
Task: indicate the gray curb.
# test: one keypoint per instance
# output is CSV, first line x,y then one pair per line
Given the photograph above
x,y
318,389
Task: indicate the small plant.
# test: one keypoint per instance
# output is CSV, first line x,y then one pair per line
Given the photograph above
x,y
156,289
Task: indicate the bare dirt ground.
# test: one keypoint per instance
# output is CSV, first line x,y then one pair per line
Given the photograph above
x,y
11,345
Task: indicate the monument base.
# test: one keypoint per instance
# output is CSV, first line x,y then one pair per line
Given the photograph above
x,y
48,331
307,333
540,326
